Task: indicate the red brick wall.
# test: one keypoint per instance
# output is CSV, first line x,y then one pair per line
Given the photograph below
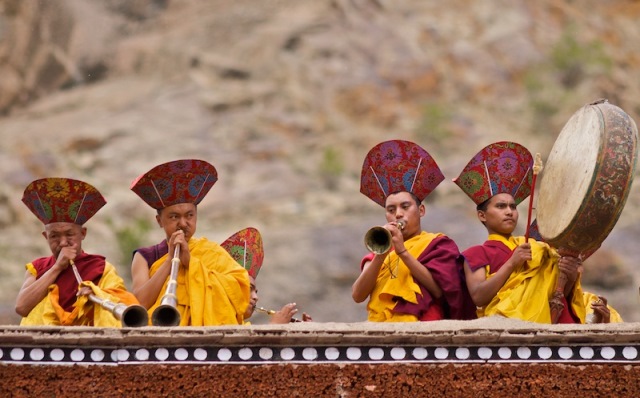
x,y
322,380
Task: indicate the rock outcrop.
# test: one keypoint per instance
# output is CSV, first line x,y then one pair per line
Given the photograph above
x,y
285,97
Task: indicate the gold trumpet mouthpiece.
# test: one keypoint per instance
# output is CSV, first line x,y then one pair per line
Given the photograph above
x,y
266,311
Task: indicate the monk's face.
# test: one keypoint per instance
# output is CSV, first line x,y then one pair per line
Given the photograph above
x,y
501,216
253,298
183,216
403,207
64,234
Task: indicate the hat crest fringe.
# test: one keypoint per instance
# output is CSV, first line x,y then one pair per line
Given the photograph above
x,y
80,207
524,178
158,193
40,203
244,255
486,170
415,176
378,180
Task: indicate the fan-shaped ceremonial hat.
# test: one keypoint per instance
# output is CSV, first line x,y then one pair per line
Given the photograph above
x,y
62,200
245,246
501,167
179,181
394,166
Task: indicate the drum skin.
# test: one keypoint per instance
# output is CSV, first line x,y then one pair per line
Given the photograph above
x,y
587,178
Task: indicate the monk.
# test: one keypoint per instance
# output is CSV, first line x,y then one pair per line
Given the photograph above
x,y
419,277
50,293
506,275
212,288
245,246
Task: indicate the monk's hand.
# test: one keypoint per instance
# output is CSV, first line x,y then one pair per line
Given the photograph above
x,y
66,255
600,309
397,239
569,266
178,238
521,255
285,314
306,317
84,291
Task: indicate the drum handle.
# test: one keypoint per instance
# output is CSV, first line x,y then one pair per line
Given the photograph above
x,y
556,304
537,168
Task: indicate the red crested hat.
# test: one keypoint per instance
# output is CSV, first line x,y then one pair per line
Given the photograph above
x,y
501,167
394,166
62,200
245,246
172,183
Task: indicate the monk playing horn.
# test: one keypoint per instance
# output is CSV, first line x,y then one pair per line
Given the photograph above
x,y
420,276
50,294
212,288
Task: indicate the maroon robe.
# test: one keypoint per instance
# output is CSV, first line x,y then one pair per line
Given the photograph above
x,y
442,258
153,253
90,267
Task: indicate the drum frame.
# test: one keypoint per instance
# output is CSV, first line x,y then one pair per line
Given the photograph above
x,y
610,185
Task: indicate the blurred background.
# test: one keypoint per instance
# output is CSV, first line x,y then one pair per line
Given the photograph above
x,y
285,98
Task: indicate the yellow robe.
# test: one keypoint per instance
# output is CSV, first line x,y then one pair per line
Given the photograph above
x,y
214,290
85,313
589,298
381,303
526,293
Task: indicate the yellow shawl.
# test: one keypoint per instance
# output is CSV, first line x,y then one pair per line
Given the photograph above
x,y
526,293
402,285
214,290
85,313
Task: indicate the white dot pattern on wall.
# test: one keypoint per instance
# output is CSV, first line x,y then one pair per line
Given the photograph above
x,y
319,354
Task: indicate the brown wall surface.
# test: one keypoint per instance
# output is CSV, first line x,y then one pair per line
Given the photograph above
x,y
322,380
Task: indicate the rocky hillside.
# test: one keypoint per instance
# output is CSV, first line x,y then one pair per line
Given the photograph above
x,y
285,98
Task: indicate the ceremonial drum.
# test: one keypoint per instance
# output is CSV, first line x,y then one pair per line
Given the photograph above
x,y
587,178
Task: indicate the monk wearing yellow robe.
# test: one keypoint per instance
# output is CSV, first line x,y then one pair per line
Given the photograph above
x,y
507,275
525,293
397,297
212,288
52,310
210,291
51,294
245,246
418,275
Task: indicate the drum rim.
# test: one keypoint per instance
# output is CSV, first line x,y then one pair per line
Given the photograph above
x,y
625,130
560,234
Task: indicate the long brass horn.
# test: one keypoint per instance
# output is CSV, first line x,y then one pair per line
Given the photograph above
x,y
166,314
378,239
131,316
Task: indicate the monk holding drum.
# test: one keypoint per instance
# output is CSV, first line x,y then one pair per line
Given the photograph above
x,y
507,275
583,190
